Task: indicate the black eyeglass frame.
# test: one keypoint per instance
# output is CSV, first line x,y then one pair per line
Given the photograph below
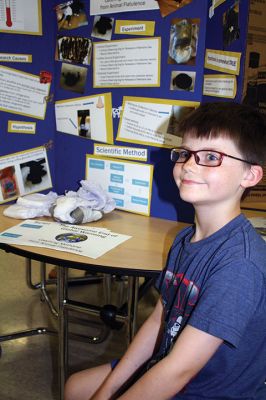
x,y
194,153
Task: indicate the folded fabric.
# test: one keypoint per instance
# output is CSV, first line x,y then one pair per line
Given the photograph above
x,y
31,206
22,212
74,210
38,200
86,205
98,198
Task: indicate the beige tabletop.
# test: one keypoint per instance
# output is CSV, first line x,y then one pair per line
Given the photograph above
x,y
146,251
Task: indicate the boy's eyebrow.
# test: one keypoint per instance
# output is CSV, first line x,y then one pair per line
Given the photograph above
x,y
203,148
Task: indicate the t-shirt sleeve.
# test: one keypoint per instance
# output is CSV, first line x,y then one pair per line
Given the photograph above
x,y
228,300
159,281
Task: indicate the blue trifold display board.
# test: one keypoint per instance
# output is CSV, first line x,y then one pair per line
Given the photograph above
x,y
67,156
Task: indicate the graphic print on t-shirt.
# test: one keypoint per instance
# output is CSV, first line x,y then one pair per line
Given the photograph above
x,y
181,295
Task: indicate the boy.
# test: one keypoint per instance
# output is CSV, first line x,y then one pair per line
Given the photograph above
x,y
206,337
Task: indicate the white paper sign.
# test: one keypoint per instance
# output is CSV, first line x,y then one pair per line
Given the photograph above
x,y
127,63
152,121
22,93
86,241
224,61
21,127
16,58
99,117
132,153
128,183
116,6
220,86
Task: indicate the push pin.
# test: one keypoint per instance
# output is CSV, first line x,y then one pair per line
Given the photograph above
x,y
48,99
49,145
45,77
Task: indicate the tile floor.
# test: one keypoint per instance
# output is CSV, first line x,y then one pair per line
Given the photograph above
x,y
28,366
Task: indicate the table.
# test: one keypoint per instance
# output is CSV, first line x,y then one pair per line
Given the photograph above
x,y
144,254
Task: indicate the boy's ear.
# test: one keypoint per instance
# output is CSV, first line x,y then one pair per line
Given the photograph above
x,y
252,176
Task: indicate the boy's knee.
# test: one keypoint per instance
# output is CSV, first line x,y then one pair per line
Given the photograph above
x,y
71,388
82,385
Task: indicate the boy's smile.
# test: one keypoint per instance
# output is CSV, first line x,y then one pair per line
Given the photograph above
x,y
190,182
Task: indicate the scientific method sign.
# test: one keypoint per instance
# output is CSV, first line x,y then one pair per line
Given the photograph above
x,y
115,6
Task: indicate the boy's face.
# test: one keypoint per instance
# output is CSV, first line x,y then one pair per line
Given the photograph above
x,y
201,185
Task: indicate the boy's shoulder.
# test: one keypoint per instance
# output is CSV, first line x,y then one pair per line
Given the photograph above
x,y
238,239
244,244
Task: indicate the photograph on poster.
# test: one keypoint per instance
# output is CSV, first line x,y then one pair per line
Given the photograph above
x,y
127,63
89,116
73,78
102,27
74,49
153,122
8,182
24,173
71,15
84,123
34,175
169,6
129,183
21,17
183,43
183,80
22,93
231,30
98,7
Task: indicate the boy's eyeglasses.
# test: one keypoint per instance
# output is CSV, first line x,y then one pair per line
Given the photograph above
x,y
207,158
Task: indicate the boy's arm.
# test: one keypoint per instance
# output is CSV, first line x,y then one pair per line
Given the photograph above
x,y
191,352
139,351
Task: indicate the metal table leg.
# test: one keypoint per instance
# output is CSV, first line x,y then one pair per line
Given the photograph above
x,y
132,308
62,328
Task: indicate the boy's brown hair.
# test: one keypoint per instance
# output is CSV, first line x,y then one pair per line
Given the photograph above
x,y
243,124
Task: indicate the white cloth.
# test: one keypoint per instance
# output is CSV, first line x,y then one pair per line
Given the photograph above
x,y
21,212
42,201
97,197
31,206
86,205
66,205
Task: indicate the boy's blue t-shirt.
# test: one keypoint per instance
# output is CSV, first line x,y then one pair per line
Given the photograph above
x,y
218,285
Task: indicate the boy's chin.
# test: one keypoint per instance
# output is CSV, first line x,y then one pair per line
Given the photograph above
x,y
187,198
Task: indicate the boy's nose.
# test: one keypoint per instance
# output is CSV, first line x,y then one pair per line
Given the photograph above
x,y
190,163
